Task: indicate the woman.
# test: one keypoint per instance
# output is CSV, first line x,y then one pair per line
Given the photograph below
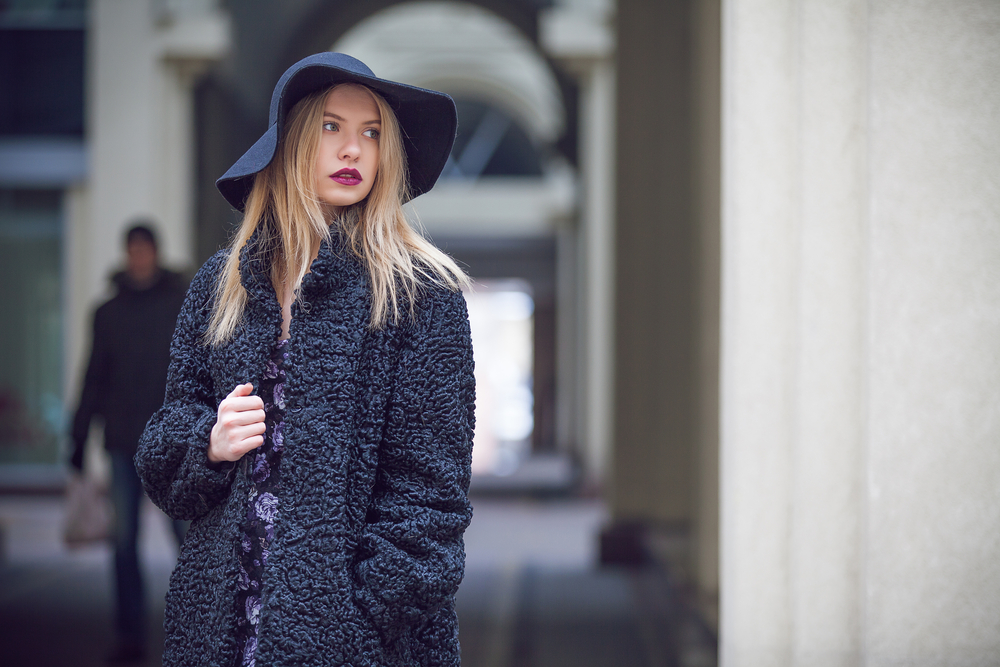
x,y
318,418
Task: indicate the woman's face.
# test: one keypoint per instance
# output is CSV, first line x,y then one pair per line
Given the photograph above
x,y
348,151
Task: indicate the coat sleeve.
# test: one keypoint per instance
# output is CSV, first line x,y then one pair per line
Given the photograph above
x,y
412,557
95,385
172,459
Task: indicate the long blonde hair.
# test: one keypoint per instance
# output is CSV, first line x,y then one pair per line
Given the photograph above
x,y
293,223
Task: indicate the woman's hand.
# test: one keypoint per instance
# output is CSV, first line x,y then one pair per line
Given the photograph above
x,y
239,426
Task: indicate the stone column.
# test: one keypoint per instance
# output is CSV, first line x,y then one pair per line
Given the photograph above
x,y
142,61
581,39
932,484
861,277
707,169
794,228
653,477
597,244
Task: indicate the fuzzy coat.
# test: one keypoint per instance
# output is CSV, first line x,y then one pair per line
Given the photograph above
x,y
368,552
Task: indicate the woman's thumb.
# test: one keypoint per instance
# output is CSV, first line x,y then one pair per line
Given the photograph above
x,y
242,389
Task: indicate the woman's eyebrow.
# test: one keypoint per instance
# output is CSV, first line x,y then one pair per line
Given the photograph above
x,y
327,114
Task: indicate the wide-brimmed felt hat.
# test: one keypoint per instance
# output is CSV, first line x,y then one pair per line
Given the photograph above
x,y
427,121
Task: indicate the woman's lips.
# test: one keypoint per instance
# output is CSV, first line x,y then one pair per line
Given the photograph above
x,y
347,177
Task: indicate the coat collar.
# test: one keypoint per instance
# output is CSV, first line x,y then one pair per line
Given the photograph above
x,y
336,265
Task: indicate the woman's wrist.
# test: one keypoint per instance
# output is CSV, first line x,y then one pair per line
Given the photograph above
x,y
210,452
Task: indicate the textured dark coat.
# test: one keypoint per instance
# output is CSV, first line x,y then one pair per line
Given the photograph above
x,y
128,361
368,553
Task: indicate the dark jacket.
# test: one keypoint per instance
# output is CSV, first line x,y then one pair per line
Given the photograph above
x,y
367,553
128,361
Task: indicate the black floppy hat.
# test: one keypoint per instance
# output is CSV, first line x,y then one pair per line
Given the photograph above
x,y
427,121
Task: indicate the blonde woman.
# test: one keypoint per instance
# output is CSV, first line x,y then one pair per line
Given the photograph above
x,y
317,425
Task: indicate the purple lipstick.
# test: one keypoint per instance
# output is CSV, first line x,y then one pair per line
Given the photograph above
x,y
347,177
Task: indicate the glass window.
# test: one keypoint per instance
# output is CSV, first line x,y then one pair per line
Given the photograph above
x,y
42,49
490,143
31,407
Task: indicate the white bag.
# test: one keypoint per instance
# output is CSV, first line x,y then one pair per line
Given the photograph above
x,y
88,512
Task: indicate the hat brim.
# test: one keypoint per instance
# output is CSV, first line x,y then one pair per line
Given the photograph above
x,y
235,184
427,119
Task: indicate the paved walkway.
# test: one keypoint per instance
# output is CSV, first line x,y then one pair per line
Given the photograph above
x,y
531,597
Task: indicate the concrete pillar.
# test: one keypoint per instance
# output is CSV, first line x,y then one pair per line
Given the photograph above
x,y
792,417
597,245
707,156
143,58
859,413
656,406
579,36
932,530
665,459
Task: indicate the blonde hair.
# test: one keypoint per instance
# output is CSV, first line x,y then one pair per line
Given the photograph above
x,y
293,223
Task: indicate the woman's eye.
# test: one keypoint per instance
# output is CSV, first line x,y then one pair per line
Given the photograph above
x,y
371,133
330,126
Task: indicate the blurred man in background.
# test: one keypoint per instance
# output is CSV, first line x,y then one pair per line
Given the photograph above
x,y
124,384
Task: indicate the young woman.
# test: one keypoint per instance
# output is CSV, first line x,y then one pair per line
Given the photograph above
x,y
317,426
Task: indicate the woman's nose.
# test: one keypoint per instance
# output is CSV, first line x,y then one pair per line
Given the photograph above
x,y
350,150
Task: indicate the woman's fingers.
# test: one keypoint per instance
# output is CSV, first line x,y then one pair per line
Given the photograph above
x,y
239,446
244,446
246,437
241,403
242,433
241,390
244,403
239,426
240,400
241,418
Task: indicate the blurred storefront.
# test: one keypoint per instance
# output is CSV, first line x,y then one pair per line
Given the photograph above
x,y
42,161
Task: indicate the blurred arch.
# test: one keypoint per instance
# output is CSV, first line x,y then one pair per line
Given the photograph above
x,y
466,51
